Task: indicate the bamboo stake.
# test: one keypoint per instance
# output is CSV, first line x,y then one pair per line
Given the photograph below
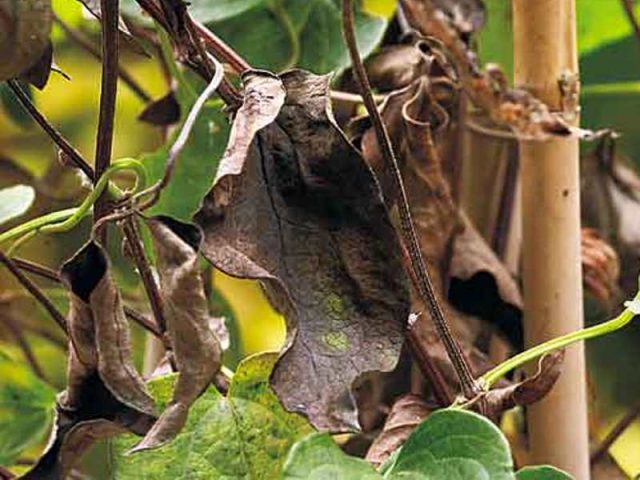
x,y
545,49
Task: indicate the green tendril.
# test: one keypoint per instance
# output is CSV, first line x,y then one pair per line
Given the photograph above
x,y
632,309
65,220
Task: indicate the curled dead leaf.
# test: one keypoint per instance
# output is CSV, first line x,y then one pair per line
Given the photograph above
x,y
407,413
104,394
197,352
296,206
529,391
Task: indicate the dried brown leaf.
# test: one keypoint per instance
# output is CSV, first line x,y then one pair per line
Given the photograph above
x,y
295,205
99,333
526,115
196,349
98,416
406,414
610,202
600,267
162,112
530,390
481,285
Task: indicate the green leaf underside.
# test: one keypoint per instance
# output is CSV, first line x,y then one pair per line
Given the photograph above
x,y
197,164
542,473
15,201
302,34
245,435
26,409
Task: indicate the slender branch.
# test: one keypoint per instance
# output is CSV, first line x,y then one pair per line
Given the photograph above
x,y
619,428
29,356
130,229
63,144
44,272
35,291
628,9
221,50
108,92
90,48
426,289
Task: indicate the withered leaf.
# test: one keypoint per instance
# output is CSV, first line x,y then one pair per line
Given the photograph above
x,y
99,332
406,414
162,112
38,74
600,267
99,415
296,206
196,349
481,285
610,204
466,16
104,395
530,390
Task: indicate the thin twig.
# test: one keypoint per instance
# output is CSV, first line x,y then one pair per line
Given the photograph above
x,y
29,356
619,428
44,272
130,229
426,289
63,144
108,92
628,9
35,291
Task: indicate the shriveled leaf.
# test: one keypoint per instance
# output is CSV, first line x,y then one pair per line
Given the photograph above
x,y
542,473
244,435
295,205
162,112
530,390
600,267
196,349
38,74
99,415
317,457
99,333
302,34
104,395
467,16
405,415
481,285
26,405
15,201
454,444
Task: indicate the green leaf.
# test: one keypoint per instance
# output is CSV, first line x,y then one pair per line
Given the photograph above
x,y
198,162
13,108
244,435
542,473
317,457
216,10
26,409
302,34
455,442
601,23
15,201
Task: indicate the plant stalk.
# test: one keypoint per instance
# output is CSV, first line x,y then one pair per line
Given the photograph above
x,y
545,50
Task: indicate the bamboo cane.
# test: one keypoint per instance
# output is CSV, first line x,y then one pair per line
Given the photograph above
x,y
544,49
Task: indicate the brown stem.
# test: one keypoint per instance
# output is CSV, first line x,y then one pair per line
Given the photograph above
x,y
90,48
108,92
131,232
425,285
49,274
18,334
619,428
63,144
221,50
35,291
628,9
